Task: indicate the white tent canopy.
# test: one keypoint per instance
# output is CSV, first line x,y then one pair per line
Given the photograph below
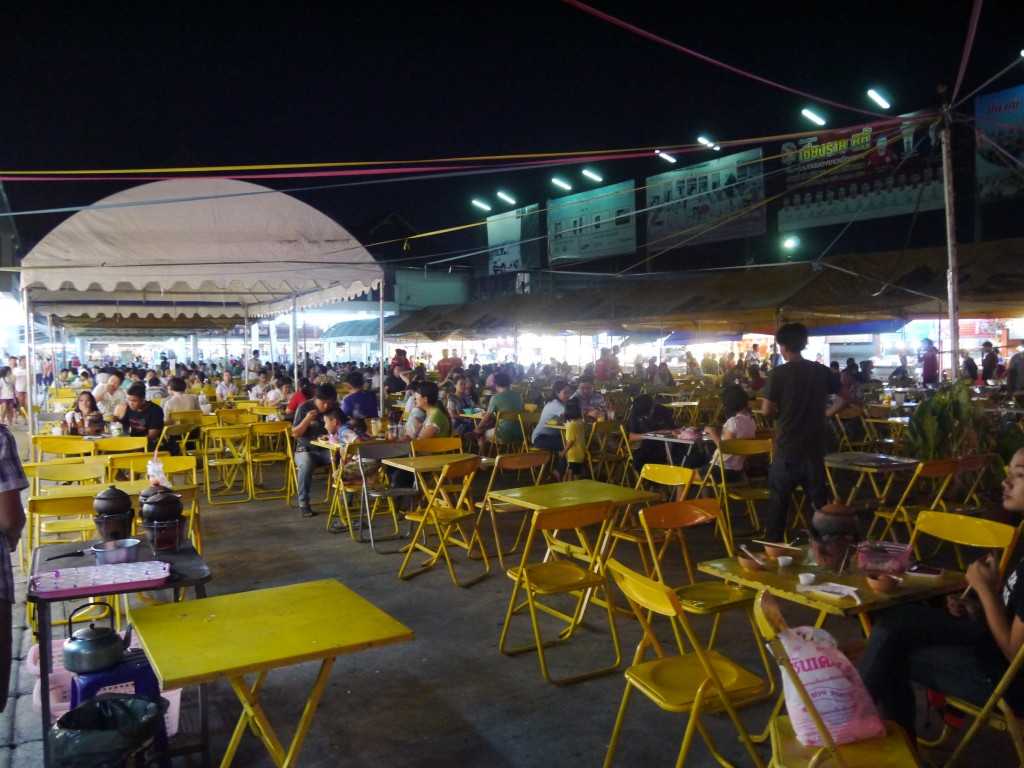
x,y
193,249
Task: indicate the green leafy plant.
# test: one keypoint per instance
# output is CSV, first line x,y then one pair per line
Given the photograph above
x,y
949,424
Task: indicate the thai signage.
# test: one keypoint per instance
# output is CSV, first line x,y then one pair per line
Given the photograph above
x,y
838,176
1000,124
513,240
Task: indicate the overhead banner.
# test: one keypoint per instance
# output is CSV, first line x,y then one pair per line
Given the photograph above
x,y
512,238
1000,125
838,176
593,224
705,203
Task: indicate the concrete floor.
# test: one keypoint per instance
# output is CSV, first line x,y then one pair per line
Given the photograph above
x,y
449,698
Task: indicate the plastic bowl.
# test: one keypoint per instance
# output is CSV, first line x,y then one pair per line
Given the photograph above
x,y
782,550
119,551
883,583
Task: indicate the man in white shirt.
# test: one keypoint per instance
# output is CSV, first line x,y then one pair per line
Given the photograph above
x,y
259,389
110,395
253,366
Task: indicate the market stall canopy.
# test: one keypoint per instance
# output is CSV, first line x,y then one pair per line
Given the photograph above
x,y
193,254
368,328
855,288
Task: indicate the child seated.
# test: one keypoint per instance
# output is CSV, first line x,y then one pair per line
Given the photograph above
x,y
575,451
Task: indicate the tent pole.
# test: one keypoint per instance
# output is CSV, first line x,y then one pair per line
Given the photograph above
x,y
952,288
30,343
295,344
380,386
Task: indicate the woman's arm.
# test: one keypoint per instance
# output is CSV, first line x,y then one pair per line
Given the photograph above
x,y
983,576
429,428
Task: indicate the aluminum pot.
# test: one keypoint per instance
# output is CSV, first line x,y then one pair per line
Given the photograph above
x,y
94,648
119,551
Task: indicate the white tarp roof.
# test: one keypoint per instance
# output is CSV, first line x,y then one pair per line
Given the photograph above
x,y
191,249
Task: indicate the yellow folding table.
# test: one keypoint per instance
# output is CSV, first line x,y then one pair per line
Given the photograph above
x,y
211,639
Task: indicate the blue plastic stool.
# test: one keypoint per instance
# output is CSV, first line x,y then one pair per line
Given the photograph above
x,y
135,669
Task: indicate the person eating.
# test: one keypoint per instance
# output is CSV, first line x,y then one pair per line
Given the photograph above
x,y
962,651
140,417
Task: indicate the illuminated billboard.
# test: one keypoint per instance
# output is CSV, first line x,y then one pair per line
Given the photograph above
x,y
593,224
712,201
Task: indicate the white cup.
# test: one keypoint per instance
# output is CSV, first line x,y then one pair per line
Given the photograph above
x,y
56,430
785,561
899,398
806,578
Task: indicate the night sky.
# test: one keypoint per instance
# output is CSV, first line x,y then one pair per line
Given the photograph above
x,y
142,85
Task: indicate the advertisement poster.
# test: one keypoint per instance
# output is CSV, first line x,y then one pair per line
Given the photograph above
x,y
593,224
837,176
1000,122
705,203
512,239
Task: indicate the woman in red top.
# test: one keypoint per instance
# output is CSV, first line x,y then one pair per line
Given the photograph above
x,y
302,394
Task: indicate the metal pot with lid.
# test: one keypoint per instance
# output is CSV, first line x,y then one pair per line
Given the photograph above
x,y
161,506
94,648
112,501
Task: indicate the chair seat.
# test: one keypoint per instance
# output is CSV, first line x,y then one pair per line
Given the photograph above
x,y
445,515
673,682
67,526
558,576
890,751
711,597
751,494
390,493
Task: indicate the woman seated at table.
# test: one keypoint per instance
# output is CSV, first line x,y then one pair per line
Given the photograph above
x,y
739,425
647,416
550,438
86,418
962,651
436,422
458,402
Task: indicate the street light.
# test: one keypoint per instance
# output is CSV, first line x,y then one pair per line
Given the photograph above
x,y
507,198
790,244
481,205
876,97
591,175
664,156
559,183
812,117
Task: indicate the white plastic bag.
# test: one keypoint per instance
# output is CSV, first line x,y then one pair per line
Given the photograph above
x,y
155,470
833,684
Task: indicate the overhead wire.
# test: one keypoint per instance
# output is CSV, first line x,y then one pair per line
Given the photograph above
x,y
972,29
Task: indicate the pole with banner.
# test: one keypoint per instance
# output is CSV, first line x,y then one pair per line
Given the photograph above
x,y
952,288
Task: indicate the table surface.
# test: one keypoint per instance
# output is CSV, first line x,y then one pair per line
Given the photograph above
x,y
878,462
231,635
783,582
434,462
554,495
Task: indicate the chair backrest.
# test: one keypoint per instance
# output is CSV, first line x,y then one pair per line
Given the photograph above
x,y
518,461
72,473
173,465
233,439
184,416
931,469
121,444
376,451
132,463
429,445
462,471
968,531
236,417
677,478
53,445
553,525
973,468
748,447
270,428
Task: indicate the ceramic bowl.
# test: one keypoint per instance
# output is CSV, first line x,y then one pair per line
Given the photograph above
x,y
748,564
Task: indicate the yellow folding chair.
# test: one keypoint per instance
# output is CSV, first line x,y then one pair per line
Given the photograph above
x,y
691,682
61,446
226,450
605,452
571,568
937,472
893,750
747,491
271,444
108,445
533,462
444,521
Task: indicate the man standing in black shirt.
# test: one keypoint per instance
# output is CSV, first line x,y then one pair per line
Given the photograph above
x,y
796,394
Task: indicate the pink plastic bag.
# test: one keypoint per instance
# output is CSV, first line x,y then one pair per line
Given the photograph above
x,y
833,684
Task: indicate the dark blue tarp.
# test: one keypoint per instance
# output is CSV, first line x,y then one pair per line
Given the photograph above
x,y
679,338
852,329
